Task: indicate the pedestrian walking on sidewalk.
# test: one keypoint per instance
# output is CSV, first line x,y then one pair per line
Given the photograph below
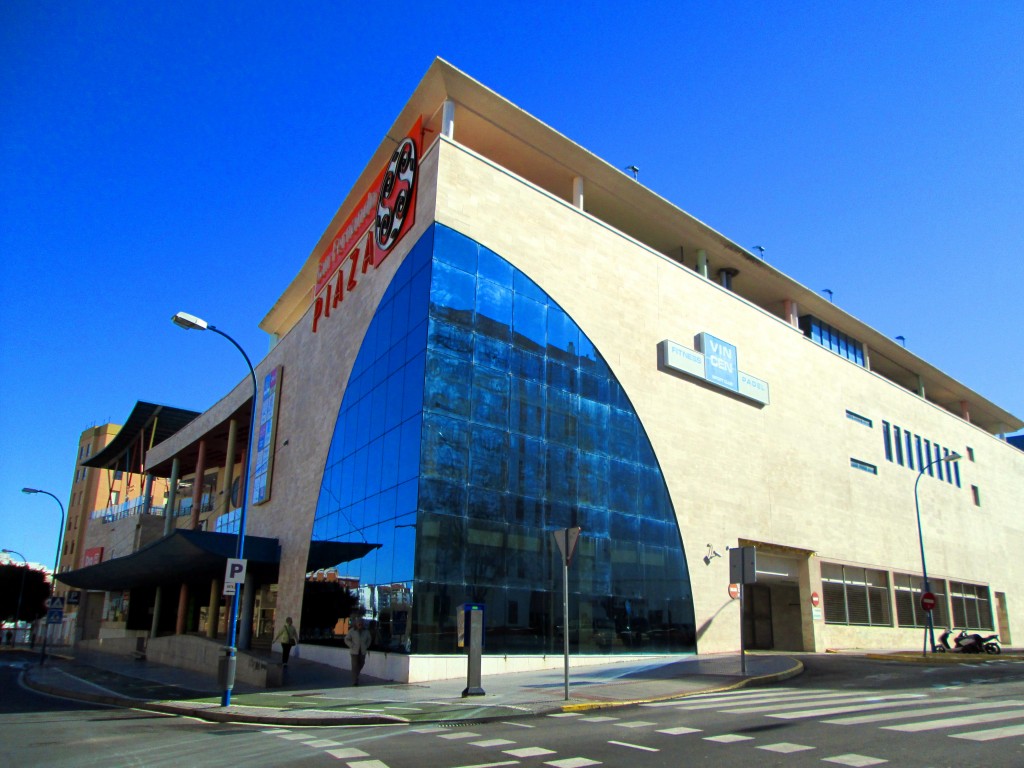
x,y
358,642
289,637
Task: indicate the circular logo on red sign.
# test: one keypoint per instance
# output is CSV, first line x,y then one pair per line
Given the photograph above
x,y
928,601
395,195
734,591
815,599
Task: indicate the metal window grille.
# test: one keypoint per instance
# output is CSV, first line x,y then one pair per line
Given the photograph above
x,y
855,595
971,607
909,613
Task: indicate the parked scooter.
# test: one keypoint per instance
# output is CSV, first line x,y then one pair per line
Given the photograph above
x,y
962,643
991,644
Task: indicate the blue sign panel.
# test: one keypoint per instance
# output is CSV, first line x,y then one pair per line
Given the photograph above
x,y
719,362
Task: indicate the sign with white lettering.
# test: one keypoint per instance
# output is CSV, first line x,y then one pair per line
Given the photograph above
x,y
754,388
719,361
719,368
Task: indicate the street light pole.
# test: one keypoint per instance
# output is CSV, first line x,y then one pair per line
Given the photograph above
x,y
948,458
191,322
56,564
21,591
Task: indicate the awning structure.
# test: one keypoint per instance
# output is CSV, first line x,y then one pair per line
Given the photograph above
x,y
193,556
149,423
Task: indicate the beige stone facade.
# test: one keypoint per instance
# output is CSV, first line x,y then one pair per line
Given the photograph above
x,y
797,477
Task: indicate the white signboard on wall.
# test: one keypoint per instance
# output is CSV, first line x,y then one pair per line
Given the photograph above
x,y
723,372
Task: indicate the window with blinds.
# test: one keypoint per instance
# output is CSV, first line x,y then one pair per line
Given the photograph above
x,y
909,613
854,595
971,608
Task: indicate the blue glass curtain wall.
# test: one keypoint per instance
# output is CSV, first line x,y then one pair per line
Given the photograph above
x,y
514,427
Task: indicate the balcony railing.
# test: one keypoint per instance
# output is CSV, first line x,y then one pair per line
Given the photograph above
x,y
130,508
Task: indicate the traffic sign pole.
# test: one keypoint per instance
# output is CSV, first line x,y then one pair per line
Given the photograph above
x,y
566,539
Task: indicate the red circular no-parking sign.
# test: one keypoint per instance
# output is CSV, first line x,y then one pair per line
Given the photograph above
x,y
815,600
734,591
928,601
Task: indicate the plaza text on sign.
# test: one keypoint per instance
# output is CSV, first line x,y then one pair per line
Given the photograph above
x,y
385,212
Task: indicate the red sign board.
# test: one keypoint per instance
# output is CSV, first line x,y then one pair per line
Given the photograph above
x,y
384,213
928,601
815,599
734,591
92,556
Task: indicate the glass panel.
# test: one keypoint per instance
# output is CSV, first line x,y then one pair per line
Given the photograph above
x,y
484,420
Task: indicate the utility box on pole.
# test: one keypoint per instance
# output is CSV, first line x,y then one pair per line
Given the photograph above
x,y
470,623
743,565
743,571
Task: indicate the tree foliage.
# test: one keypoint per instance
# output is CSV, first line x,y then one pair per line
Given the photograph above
x,y
33,596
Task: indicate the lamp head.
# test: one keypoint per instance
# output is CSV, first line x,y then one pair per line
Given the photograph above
x,y
30,490
953,456
189,322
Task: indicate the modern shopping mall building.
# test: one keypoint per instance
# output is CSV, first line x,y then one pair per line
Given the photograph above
x,y
501,335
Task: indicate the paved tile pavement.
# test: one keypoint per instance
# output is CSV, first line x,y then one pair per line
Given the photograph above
x,y
315,694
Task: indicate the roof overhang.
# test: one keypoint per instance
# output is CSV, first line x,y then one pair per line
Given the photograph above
x,y
147,425
198,556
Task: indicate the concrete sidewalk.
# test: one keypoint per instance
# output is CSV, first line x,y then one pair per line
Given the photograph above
x,y
315,694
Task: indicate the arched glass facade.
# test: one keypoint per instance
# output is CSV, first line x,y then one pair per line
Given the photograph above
x,y
479,419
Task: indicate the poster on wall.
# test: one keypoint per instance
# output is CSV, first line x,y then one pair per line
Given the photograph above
x,y
263,468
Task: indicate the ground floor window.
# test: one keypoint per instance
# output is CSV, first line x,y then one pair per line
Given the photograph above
x,y
909,612
854,595
971,607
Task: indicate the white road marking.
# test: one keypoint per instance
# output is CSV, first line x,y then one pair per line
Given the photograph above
x,y
635,724
491,765
492,743
786,747
344,754
908,713
459,735
597,719
368,764
861,699
824,711
954,722
634,746
780,701
728,738
679,731
528,752
991,734
854,760
573,762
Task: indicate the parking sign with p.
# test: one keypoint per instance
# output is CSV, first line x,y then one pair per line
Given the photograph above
x,y
234,574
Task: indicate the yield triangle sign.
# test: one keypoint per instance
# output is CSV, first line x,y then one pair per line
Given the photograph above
x,y
566,539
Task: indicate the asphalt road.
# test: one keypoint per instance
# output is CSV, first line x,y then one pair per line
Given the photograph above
x,y
841,711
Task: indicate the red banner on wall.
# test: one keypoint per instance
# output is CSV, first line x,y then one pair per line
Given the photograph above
x,y
384,213
92,556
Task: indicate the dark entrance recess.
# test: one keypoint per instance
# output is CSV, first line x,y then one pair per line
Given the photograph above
x,y
757,618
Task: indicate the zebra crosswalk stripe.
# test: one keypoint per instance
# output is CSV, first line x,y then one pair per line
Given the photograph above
x,y
955,722
927,711
860,700
1006,732
825,711
766,700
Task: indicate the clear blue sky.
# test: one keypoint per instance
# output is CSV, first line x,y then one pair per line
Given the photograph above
x,y
157,157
